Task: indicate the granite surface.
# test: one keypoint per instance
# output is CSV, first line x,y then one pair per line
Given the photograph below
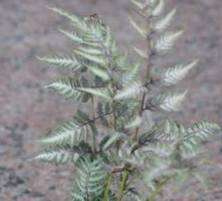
x,y
27,111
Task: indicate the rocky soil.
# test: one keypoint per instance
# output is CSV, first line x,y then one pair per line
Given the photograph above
x,y
28,29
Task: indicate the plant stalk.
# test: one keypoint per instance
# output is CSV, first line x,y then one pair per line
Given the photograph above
x,y
123,184
107,188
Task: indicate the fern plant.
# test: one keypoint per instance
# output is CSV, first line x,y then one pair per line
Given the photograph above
x,y
119,150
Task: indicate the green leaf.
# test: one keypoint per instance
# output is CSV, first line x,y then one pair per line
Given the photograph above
x,y
131,91
142,31
175,74
103,109
100,92
101,73
202,130
69,88
92,58
169,102
139,5
73,36
68,134
58,157
112,139
81,117
77,21
164,23
62,62
157,11
167,41
90,179
131,75
141,53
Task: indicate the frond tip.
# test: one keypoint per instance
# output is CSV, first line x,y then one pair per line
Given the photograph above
x,y
159,8
57,157
164,23
167,41
177,73
68,134
61,62
169,101
131,91
68,87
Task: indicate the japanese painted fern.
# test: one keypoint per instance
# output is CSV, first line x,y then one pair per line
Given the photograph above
x,y
115,153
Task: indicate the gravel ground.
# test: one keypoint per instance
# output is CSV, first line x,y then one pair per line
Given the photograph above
x,y
28,29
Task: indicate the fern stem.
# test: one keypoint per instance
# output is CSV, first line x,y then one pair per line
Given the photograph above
x,y
107,188
123,184
94,133
147,77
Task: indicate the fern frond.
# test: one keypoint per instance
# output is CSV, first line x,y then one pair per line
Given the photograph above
x,y
102,110
142,31
112,139
190,143
177,73
170,131
97,59
158,8
73,36
69,88
131,75
135,123
77,21
141,53
167,41
90,179
137,158
68,134
202,130
131,91
169,101
62,62
137,4
164,23
58,157
100,72
99,92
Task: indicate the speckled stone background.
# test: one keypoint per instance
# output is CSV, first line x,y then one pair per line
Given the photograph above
x,y
28,29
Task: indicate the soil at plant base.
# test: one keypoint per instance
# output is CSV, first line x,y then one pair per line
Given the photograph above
x,y
28,29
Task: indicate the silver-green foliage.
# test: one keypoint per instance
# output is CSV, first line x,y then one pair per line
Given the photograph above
x,y
110,146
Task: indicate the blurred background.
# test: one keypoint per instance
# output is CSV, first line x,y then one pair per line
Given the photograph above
x,y
28,29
